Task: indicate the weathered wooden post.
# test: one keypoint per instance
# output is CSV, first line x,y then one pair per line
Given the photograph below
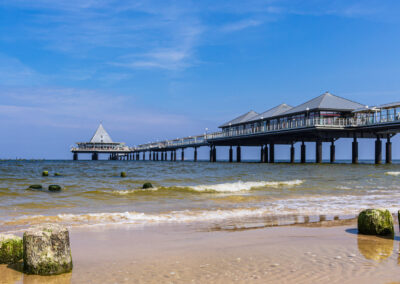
x,y
195,154
230,154
183,154
214,154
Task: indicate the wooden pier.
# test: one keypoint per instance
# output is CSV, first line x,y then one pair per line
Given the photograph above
x,y
324,119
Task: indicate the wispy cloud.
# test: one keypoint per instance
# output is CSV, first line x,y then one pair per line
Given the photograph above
x,y
241,25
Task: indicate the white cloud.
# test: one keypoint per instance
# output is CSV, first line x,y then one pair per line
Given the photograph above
x,y
241,25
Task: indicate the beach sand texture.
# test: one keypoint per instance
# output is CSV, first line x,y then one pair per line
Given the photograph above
x,y
174,254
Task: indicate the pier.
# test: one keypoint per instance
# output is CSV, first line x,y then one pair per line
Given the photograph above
x,y
324,119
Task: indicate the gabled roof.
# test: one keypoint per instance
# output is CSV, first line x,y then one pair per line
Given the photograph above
x,y
326,101
272,112
240,119
101,136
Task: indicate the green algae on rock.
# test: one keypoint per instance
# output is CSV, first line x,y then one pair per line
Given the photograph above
x,y
147,185
57,174
10,249
35,186
375,222
123,174
47,250
45,173
54,187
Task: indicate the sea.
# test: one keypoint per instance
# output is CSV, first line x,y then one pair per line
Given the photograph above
x,y
200,194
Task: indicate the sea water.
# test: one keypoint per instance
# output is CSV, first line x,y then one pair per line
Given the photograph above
x,y
220,195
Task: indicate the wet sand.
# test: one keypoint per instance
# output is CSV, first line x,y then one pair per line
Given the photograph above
x,y
320,253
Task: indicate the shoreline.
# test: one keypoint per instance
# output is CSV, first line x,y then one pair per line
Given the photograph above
x,y
328,251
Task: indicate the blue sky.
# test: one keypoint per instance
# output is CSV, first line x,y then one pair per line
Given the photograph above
x,y
163,69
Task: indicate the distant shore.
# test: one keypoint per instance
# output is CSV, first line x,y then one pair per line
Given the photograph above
x,y
323,252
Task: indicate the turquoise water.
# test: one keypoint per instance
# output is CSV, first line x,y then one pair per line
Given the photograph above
x,y
217,194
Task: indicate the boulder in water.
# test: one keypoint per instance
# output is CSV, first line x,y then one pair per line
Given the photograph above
x,y
47,250
123,174
54,188
35,186
57,174
147,185
10,249
45,173
375,222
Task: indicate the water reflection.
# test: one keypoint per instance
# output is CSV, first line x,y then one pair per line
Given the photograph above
x,y
375,248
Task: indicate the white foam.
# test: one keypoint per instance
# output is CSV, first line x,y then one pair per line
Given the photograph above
x,y
243,186
393,173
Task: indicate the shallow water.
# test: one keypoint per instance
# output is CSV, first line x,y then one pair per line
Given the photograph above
x,y
218,194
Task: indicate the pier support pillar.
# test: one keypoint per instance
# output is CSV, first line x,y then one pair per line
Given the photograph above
x,y
230,154
238,154
95,156
157,156
354,158
292,152
378,151
262,154
195,154
183,154
333,152
214,154
162,156
174,155
272,153
75,156
303,153
318,152
144,156
388,150
265,153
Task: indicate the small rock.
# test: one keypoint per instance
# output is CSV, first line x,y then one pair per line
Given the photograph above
x,y
147,185
47,250
123,174
35,186
57,174
10,249
45,173
375,222
54,188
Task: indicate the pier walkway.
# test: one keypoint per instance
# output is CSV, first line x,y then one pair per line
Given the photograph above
x,y
326,118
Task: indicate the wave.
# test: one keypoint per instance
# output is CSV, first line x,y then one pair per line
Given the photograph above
x,y
221,187
393,173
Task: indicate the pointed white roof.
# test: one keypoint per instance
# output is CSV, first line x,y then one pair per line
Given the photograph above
x,y
101,136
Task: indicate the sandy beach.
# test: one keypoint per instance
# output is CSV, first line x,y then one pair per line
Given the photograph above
x,y
324,252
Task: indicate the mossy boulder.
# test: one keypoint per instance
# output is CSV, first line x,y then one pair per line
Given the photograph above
x,y
45,173
35,186
10,249
123,174
54,188
147,185
47,250
375,222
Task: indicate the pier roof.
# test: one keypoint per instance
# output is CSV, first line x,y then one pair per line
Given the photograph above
x,y
326,101
240,119
101,136
275,111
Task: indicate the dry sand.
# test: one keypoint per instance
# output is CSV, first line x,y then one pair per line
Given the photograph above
x,y
177,254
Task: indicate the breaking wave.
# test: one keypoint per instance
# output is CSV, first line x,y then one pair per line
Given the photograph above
x,y
221,187
393,173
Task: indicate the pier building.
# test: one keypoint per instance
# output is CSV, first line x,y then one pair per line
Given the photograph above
x,y
323,119
101,143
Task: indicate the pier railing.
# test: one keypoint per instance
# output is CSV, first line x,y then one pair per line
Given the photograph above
x,y
328,122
